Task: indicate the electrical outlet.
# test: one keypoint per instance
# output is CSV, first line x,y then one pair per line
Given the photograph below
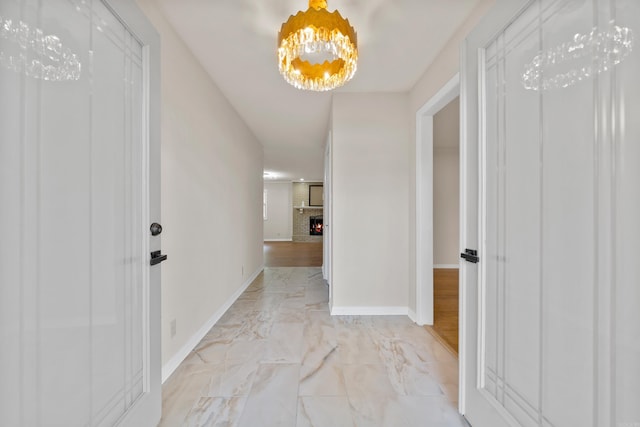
x,y
173,328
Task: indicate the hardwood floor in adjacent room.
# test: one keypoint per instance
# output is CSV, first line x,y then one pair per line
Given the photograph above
x,y
293,254
445,311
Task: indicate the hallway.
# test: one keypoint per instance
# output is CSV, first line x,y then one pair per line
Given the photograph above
x,y
277,358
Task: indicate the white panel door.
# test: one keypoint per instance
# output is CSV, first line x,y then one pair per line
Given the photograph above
x,y
551,335
79,304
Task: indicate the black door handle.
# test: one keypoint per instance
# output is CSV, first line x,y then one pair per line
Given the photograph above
x,y
157,257
470,255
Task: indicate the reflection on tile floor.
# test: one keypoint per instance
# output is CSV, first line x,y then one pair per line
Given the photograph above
x,y
277,358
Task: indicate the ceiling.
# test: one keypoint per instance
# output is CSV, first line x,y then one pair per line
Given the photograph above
x,y
235,41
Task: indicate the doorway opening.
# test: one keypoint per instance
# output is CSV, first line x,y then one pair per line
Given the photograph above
x,y
446,208
425,230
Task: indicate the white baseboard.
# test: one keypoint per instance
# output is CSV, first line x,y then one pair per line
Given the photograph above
x,y
456,266
278,240
412,315
173,363
369,311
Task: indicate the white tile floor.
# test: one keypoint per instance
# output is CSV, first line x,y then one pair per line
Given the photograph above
x,y
277,358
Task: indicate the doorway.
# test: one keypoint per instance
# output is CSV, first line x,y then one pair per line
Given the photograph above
x,y
445,224
446,207
425,231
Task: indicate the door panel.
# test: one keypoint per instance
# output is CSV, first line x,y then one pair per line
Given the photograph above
x,y
75,199
513,247
568,232
520,251
551,343
57,172
118,215
625,274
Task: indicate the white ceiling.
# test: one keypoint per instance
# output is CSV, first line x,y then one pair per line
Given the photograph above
x,y
235,40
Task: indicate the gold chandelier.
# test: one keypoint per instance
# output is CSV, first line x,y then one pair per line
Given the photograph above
x,y
317,50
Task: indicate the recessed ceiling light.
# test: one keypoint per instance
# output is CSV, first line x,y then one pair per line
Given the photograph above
x,y
301,179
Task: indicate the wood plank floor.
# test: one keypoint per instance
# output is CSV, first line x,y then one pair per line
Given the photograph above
x,y
292,254
445,294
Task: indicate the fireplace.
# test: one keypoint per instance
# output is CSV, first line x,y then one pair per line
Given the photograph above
x,y
315,225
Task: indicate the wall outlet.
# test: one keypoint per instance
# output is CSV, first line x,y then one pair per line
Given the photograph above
x,y
173,328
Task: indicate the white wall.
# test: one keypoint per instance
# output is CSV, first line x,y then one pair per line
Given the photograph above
x,y
211,198
446,185
370,202
443,69
278,226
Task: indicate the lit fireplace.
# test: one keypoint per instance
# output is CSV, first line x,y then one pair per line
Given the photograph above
x,y
315,225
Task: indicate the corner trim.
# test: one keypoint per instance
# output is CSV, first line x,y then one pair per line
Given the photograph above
x,y
173,363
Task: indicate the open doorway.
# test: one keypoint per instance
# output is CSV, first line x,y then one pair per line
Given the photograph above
x,y
446,207
437,213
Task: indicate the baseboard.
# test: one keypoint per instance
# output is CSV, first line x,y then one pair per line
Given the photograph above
x,y
279,240
456,266
173,363
369,311
412,315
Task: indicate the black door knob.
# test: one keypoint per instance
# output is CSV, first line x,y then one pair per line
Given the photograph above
x,y
155,229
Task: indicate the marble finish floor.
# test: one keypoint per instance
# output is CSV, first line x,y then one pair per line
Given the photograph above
x,y
277,358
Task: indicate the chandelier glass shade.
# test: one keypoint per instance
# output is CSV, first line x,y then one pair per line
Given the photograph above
x,y
317,49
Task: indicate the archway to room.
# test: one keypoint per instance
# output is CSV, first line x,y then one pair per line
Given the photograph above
x,y
437,213
293,224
